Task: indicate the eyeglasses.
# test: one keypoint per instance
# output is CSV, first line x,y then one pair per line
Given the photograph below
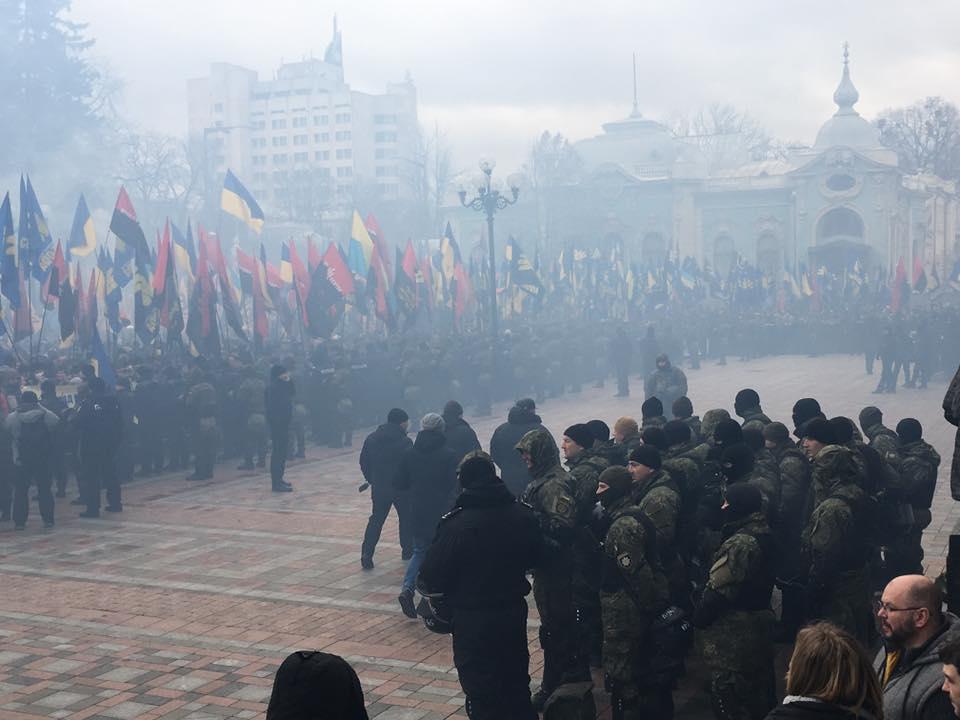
x,y
887,608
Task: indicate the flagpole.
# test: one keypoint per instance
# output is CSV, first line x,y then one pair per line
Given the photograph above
x,y
43,320
303,335
13,344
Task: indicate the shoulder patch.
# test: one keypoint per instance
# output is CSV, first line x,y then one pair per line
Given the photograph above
x,y
625,561
563,505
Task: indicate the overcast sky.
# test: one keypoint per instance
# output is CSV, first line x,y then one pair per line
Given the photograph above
x,y
495,74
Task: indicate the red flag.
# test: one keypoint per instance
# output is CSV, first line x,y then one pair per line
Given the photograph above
x,y
301,279
896,292
379,242
464,295
57,274
163,257
246,263
313,255
337,270
410,262
425,281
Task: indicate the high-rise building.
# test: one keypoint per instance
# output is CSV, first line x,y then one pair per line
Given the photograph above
x,y
304,136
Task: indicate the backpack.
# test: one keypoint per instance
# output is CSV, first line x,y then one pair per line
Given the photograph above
x,y
33,442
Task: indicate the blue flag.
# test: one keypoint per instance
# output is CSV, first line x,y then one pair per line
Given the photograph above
x,y
101,361
10,265
36,243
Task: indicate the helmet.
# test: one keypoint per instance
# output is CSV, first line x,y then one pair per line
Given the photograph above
x,y
431,619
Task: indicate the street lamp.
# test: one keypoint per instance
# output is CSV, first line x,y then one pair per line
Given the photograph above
x,y
489,200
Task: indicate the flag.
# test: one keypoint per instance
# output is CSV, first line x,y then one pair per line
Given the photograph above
x,y
231,304
934,277
10,267
23,315
324,305
919,275
261,299
171,309
111,291
163,259
899,281
313,255
131,244
378,288
35,240
360,247
247,268
286,269
236,200
405,281
338,271
93,309
67,312
521,272
202,330
83,237
58,270
101,361
183,249
425,282
301,278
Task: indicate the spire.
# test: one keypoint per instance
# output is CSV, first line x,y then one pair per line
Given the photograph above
x,y
846,94
334,52
636,103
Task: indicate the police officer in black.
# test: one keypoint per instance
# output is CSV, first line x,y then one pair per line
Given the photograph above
x,y
100,426
474,575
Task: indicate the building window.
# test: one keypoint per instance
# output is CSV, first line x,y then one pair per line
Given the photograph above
x,y
301,157
321,137
385,137
386,171
300,139
388,189
259,177
259,124
321,155
258,142
279,176
385,119
218,107
279,159
343,118
280,141
324,171
344,154
384,153
321,119
278,123
299,122
344,189
259,159
343,135
343,172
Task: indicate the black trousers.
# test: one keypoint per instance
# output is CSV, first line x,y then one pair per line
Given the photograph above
x,y
493,662
98,471
383,498
36,473
279,439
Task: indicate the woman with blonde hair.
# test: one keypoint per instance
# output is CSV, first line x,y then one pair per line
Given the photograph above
x,y
830,678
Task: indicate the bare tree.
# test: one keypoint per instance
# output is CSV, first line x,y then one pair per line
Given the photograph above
x,y
157,170
553,162
726,136
926,136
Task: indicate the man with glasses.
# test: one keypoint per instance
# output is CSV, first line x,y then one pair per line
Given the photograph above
x,y
914,628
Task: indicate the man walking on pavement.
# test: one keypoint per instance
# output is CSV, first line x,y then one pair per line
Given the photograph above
x,y
278,400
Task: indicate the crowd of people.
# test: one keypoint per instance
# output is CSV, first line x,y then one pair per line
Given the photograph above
x,y
668,536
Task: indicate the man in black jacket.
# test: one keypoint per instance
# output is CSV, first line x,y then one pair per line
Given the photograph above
x,y
461,438
521,419
475,574
100,426
379,459
428,472
278,400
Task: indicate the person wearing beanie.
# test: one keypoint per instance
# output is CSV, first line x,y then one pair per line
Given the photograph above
x,y
314,684
727,432
474,575
805,410
634,591
651,413
747,405
30,428
461,438
834,539
379,458
521,419
585,465
666,383
605,445
600,430
427,474
733,614
278,400
711,419
879,436
919,476
656,437
683,410
552,495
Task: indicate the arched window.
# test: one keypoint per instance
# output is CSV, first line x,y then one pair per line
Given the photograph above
x,y
768,255
840,224
653,250
724,255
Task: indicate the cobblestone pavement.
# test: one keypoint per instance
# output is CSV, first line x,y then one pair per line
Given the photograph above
x,y
184,605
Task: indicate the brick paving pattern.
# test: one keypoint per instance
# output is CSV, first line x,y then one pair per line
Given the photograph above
x,y
184,606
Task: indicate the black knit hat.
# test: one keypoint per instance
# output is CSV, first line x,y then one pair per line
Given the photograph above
x,y
805,409
842,429
316,684
746,398
909,430
776,432
452,409
737,461
646,455
652,407
677,432
397,416
276,371
618,481
821,430
600,430
753,438
656,437
682,407
870,416
477,470
580,434
728,432
743,499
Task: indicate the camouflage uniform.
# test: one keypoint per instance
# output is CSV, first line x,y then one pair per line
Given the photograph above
x,y
736,638
585,472
657,421
667,384
659,499
633,590
250,396
754,418
551,494
834,543
793,513
766,476
696,427
920,463
885,442
951,411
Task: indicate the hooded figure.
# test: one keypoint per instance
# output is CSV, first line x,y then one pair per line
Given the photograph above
x,y
313,684
521,419
666,382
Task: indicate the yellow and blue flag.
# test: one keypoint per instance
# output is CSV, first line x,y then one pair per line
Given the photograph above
x,y
10,265
36,243
83,237
360,248
236,200
184,249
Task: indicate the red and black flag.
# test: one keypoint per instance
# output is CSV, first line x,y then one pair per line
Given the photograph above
x,y
324,305
405,282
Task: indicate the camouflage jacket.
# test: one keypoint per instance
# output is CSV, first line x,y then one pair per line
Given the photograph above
x,y
712,418
885,442
659,498
632,574
585,471
766,476
631,443
693,422
754,418
667,384
834,539
833,465
250,396
657,421
551,491
794,469
919,472
743,567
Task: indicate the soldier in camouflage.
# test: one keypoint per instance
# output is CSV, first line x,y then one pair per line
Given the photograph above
x,y
626,434
834,538
651,413
747,405
633,591
951,413
551,494
585,465
880,437
920,463
666,382
250,397
766,474
683,410
734,615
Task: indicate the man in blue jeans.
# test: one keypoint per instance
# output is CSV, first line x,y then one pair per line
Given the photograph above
x,y
428,474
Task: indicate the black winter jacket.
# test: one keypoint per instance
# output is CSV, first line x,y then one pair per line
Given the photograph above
x,y
460,437
513,471
428,472
381,453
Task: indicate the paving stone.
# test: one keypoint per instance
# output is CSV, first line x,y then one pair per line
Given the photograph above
x,y
61,699
127,710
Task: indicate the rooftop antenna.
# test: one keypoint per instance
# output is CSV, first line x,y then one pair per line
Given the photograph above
x,y
636,104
